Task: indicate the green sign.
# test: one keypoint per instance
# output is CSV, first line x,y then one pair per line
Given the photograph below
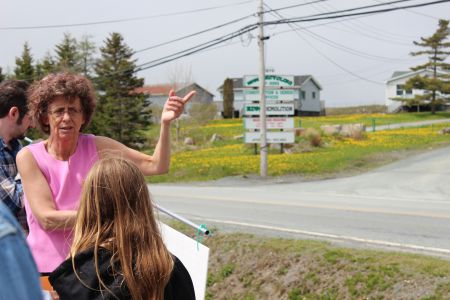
x,y
270,80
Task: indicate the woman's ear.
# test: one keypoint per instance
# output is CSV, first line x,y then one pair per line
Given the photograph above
x,y
44,119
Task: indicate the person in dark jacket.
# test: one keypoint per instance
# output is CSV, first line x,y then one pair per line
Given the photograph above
x,y
118,251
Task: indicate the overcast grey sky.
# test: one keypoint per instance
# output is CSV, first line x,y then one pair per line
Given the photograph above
x,y
351,58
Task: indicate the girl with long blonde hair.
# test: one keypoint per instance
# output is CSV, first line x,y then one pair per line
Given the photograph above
x,y
117,251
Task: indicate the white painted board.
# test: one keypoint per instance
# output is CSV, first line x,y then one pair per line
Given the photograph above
x,y
271,80
271,123
271,95
272,137
194,259
272,109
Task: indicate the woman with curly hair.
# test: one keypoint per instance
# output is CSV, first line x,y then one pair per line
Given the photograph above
x,y
118,252
53,170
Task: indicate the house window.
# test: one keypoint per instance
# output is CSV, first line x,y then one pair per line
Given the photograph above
x,y
302,95
402,92
314,95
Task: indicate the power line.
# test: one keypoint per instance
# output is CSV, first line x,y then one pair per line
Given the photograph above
x,y
193,34
312,18
339,11
195,49
123,20
374,29
358,27
249,28
329,59
414,12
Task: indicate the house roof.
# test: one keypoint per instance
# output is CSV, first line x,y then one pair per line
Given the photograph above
x,y
299,80
193,86
401,74
164,89
156,90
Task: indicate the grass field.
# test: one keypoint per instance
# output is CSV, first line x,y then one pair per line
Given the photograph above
x,y
245,266
229,156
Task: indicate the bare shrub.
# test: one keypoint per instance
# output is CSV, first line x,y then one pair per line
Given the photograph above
x,y
357,135
202,113
313,136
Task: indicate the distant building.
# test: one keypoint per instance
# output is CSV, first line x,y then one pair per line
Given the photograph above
x,y
157,94
307,96
395,88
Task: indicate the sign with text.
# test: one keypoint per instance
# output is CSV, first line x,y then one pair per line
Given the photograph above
x,y
280,95
270,81
271,123
272,109
272,137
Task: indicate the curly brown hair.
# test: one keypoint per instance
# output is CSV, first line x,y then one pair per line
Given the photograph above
x,y
71,86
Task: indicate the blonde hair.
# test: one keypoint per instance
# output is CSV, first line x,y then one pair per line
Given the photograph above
x,y
116,213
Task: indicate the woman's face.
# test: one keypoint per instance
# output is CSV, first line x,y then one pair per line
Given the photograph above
x,y
65,117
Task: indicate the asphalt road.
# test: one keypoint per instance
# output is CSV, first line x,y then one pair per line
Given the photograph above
x,y
402,206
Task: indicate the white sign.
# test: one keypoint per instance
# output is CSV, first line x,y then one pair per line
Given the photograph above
x,y
193,255
272,137
281,95
272,109
271,81
271,123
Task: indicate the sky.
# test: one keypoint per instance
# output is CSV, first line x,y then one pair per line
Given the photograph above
x,y
350,57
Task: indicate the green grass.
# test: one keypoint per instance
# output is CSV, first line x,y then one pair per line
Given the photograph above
x,y
245,266
230,157
232,127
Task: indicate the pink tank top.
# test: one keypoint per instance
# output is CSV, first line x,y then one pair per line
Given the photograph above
x,y
65,179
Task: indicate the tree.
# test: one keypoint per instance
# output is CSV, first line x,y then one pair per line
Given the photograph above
x,y
67,56
86,51
202,113
120,112
2,76
46,66
228,99
24,69
179,77
438,84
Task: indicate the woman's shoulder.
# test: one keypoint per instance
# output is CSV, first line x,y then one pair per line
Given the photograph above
x,y
84,284
35,146
30,152
180,285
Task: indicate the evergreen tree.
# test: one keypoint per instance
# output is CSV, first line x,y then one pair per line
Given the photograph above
x,y
436,49
120,109
86,51
46,66
24,69
228,98
67,56
2,76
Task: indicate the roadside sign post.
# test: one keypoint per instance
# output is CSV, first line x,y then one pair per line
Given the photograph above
x,y
262,73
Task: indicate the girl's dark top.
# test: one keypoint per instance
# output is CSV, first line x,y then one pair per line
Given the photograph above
x,y
68,286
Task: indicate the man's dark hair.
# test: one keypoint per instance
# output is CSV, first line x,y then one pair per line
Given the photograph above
x,y
13,93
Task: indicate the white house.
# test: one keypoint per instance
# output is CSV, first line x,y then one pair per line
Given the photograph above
x,y
395,87
306,101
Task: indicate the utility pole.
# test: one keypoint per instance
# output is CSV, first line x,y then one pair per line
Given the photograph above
x,y
262,96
